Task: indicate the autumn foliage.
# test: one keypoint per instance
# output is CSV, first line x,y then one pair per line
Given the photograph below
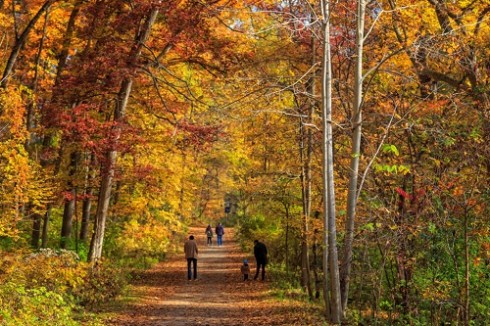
x,y
122,122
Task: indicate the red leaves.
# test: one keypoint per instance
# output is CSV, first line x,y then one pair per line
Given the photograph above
x,y
199,136
403,193
412,197
86,127
69,195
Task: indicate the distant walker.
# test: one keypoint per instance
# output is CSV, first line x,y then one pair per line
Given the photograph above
x,y
209,235
220,231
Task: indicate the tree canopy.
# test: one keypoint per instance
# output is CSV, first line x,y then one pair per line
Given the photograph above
x,y
123,122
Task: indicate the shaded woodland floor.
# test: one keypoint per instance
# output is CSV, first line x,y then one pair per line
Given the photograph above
x,y
218,297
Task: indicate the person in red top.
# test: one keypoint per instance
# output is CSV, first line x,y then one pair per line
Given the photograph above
x,y
191,251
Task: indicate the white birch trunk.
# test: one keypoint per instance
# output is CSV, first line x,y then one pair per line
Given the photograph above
x,y
355,155
330,256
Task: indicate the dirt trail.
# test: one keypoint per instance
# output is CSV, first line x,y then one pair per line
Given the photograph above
x,y
218,297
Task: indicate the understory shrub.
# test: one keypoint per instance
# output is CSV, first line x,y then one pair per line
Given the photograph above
x,y
140,245
47,286
101,284
35,306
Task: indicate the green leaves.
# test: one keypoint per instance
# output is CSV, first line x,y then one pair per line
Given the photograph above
x,y
392,169
390,148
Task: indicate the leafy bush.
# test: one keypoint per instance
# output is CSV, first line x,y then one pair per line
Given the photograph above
x,y
49,285
101,284
59,271
37,306
142,244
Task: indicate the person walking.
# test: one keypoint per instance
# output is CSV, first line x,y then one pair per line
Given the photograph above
x,y
220,230
191,251
260,253
209,235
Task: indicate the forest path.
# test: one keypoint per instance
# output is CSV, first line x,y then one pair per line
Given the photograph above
x,y
218,297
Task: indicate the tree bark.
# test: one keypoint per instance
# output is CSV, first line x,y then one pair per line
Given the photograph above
x,y
30,125
330,256
466,297
355,157
69,209
87,201
44,237
95,252
61,65
36,230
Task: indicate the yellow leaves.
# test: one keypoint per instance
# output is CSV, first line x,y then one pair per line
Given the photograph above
x,y
12,114
145,239
438,290
20,179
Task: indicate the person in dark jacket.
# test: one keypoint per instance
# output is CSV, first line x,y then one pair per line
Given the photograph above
x,y
220,230
260,253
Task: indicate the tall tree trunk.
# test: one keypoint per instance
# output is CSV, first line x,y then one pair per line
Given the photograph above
x,y
36,230
69,208
31,124
87,201
31,107
306,184
306,181
44,237
355,156
286,210
61,65
95,252
86,207
331,264
466,296
315,264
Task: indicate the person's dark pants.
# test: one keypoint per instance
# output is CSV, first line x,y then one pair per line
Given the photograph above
x,y
259,264
210,242
245,277
189,271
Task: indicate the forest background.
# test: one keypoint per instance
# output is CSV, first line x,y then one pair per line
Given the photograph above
x,y
123,122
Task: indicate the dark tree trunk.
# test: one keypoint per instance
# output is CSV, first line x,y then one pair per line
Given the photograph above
x,y
36,230
87,205
44,239
69,210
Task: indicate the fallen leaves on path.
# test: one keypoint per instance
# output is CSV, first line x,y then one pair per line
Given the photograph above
x,y
218,297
